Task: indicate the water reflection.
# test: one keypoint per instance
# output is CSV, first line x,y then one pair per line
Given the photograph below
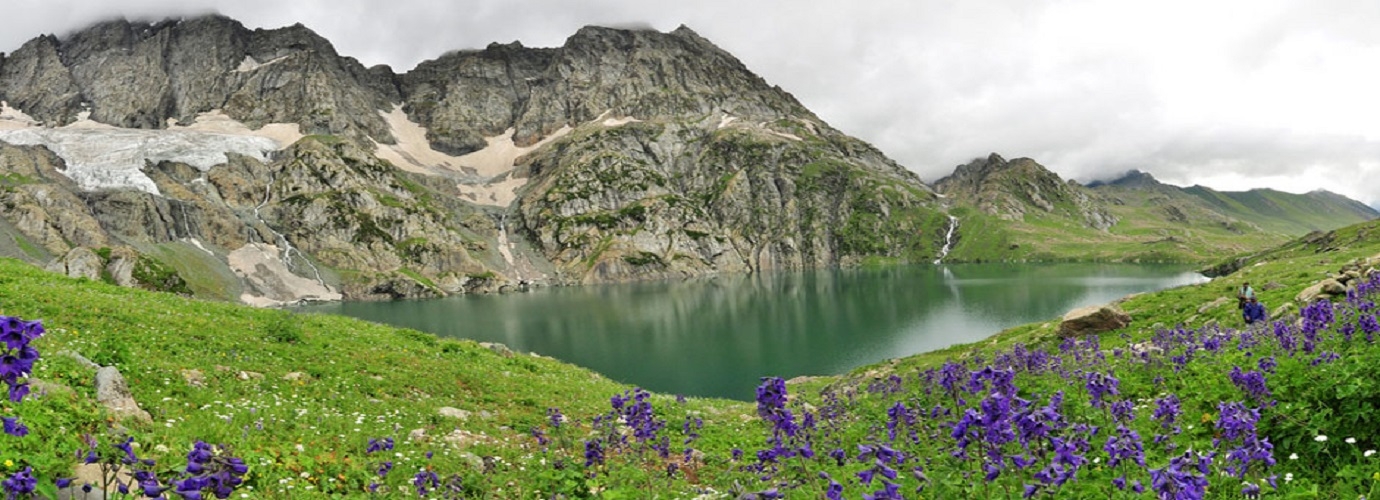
x,y
718,336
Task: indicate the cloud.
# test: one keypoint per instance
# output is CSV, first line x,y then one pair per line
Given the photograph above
x,y
1229,92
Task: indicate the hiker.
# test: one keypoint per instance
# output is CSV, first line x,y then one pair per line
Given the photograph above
x,y
1253,311
1244,294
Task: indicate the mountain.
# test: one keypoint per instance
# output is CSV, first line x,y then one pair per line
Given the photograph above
x,y
1288,213
1134,217
1270,210
262,166
1013,190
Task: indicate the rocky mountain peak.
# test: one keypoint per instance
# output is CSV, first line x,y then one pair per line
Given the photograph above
x,y
972,175
1131,179
1014,189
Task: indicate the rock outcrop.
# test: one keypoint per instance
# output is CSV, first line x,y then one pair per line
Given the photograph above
x,y
1093,319
113,393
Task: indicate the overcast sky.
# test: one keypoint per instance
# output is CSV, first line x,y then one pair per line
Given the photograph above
x,y
1228,94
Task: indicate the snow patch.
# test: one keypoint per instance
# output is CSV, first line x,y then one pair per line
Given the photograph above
x,y
269,282
728,120
792,137
217,122
101,156
485,175
197,243
249,64
608,120
11,119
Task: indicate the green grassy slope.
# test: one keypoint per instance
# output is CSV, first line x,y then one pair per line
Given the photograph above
x,y
1287,213
358,381
1145,232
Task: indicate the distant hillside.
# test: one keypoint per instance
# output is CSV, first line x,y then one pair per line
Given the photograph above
x,y
1287,212
1040,216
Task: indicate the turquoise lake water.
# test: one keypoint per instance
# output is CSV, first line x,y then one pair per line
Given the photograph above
x,y
718,336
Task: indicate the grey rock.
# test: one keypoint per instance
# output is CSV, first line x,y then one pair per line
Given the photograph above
x,y
500,349
417,436
1323,289
35,79
80,262
79,358
1093,319
43,388
194,378
1219,302
78,493
450,412
113,393
120,267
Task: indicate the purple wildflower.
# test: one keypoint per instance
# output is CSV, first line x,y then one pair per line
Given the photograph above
x,y
594,453
21,483
14,427
1252,383
1100,385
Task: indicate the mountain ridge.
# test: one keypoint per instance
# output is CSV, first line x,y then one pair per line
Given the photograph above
x,y
623,154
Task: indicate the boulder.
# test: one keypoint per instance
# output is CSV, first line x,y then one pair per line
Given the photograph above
x,y
94,475
462,439
79,492
44,388
1093,319
80,359
1324,289
447,411
120,268
194,378
1221,301
1286,308
79,262
113,393
500,349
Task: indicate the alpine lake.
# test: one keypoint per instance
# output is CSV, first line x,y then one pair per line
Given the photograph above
x,y
717,336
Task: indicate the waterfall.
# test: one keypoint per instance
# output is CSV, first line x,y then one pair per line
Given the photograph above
x,y
948,239
505,247
288,249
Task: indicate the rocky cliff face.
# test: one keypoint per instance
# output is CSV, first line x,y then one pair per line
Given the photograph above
x,y
260,165
137,75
